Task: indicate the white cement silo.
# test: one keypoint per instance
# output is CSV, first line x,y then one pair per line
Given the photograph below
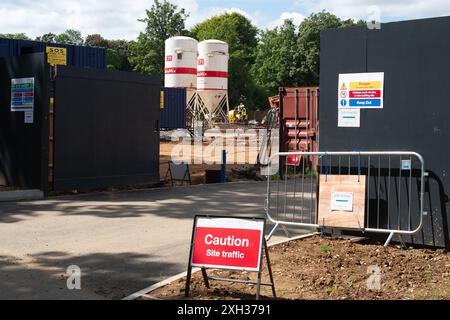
x,y
181,63
212,74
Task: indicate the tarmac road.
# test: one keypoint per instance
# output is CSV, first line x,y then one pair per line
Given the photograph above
x,y
123,242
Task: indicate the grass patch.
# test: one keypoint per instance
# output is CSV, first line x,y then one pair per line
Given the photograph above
x,y
325,248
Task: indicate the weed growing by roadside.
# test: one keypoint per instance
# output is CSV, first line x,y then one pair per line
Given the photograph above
x,y
325,248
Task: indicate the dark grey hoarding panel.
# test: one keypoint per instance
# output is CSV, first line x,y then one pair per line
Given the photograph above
x,y
414,57
106,129
23,146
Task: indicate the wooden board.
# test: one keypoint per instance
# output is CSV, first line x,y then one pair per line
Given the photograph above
x,y
342,219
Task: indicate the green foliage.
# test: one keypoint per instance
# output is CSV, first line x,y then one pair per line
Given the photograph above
x,y
70,36
162,21
287,57
18,36
48,38
277,60
325,247
309,43
332,289
96,40
113,60
122,49
117,51
241,35
233,28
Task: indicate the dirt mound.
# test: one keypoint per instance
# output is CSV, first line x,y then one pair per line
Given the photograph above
x,y
325,268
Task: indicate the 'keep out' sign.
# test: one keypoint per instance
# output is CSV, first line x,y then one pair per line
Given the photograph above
x,y
227,243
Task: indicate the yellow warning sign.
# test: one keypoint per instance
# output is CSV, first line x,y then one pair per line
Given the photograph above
x,y
365,85
344,87
56,56
161,100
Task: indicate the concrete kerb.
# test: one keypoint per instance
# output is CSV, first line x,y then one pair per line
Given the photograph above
x,y
182,275
21,195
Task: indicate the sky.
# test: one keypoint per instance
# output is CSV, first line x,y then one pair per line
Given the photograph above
x,y
117,19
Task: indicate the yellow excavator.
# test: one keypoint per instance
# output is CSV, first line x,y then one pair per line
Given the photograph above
x,y
238,115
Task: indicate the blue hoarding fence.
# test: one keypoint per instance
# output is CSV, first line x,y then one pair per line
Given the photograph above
x,y
173,115
77,56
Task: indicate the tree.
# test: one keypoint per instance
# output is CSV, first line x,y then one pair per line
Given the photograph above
x,y
70,36
277,61
163,21
117,51
96,40
241,36
309,42
48,37
18,36
113,60
122,47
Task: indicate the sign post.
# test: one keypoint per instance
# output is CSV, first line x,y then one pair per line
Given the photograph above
x,y
229,244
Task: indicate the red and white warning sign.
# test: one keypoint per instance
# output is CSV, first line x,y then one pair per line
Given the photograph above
x,y
227,243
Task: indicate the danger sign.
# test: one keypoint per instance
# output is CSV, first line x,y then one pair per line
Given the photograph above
x,y
361,90
227,243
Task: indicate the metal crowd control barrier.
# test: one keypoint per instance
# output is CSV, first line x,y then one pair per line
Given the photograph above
x,y
394,189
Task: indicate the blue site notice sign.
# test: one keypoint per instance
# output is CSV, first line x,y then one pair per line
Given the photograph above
x,y
22,94
361,103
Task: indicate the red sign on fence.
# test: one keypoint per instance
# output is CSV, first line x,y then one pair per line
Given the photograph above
x,y
226,243
294,160
365,94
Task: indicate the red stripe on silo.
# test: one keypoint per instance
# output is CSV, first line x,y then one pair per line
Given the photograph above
x,y
180,71
212,74
212,89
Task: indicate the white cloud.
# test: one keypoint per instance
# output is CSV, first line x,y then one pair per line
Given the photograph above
x,y
118,18
198,14
114,19
390,9
296,17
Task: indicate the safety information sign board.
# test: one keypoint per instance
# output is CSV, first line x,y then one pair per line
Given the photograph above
x,y
406,165
227,243
342,201
22,94
29,117
349,118
56,56
361,90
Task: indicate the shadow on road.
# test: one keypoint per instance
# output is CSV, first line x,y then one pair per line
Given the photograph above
x,y
179,203
110,276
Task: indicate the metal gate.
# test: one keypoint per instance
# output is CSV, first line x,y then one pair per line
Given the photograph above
x,y
393,184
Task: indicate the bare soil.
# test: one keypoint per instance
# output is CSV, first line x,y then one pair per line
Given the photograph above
x,y
319,268
197,171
